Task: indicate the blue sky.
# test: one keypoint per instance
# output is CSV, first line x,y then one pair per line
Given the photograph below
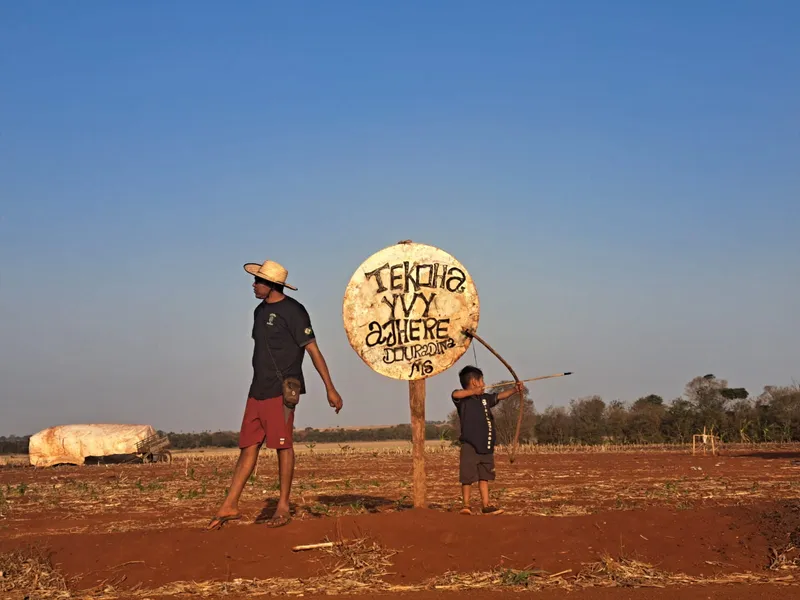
x,y
621,180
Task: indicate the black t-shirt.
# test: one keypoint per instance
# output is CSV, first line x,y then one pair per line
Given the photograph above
x,y
287,327
477,421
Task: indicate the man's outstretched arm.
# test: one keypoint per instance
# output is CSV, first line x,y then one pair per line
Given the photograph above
x,y
334,399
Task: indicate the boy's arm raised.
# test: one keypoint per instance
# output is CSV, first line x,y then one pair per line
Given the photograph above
x,y
459,394
518,388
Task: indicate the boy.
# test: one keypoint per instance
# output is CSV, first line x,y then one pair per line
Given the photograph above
x,y
477,435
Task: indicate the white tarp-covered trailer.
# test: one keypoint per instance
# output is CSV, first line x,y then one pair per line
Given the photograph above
x,y
71,444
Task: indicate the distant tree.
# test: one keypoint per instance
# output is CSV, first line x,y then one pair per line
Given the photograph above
x,y
506,415
645,420
453,421
734,393
431,431
554,426
743,422
780,407
650,400
224,439
705,395
14,444
616,421
679,421
774,416
588,423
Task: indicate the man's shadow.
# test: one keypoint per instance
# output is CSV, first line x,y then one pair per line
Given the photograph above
x,y
784,455
322,506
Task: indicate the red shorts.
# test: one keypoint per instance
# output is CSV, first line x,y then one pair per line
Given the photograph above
x,y
267,419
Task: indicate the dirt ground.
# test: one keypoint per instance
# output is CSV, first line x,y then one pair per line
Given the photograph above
x,y
595,525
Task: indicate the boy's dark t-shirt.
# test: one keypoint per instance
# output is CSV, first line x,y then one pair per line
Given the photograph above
x,y
286,325
477,421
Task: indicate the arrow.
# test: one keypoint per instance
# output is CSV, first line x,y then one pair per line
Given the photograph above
x,y
532,379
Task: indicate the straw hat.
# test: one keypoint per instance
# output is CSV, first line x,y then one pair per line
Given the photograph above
x,y
271,271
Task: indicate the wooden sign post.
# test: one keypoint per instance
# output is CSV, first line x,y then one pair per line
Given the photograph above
x,y
405,310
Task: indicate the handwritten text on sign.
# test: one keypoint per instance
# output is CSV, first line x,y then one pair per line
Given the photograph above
x,y
417,302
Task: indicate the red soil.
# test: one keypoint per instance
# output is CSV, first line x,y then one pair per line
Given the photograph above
x,y
429,543
706,538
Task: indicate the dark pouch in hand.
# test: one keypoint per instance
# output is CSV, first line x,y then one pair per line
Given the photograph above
x,y
291,391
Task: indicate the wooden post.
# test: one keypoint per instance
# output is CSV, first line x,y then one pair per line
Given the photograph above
x,y
416,395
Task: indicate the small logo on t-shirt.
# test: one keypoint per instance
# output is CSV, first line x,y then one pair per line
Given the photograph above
x,y
307,330
271,318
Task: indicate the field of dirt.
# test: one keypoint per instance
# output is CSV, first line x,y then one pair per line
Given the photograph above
x,y
596,525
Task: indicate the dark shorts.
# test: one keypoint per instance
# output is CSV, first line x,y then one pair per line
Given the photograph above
x,y
475,467
267,420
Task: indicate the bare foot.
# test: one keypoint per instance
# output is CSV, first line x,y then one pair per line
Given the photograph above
x,y
280,518
218,521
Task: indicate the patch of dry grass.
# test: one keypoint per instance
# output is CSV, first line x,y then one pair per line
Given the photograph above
x,y
363,559
377,448
784,558
623,572
14,460
360,566
352,480
606,572
246,588
527,578
612,448
29,573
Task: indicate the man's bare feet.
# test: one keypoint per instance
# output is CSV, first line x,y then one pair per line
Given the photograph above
x,y
280,518
491,510
218,521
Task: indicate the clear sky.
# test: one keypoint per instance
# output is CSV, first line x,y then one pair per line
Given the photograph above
x,y
621,179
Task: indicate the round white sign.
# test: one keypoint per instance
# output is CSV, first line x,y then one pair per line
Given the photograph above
x,y
405,310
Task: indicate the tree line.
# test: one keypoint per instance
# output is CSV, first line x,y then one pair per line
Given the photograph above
x,y
230,439
707,402
14,444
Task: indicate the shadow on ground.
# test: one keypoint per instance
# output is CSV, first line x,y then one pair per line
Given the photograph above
x,y
773,455
322,505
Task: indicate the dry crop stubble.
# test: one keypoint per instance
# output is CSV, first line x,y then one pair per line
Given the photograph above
x,y
359,567
353,481
335,483
28,572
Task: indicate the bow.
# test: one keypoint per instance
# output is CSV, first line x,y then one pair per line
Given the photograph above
x,y
472,334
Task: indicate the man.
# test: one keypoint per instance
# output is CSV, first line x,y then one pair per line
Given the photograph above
x,y
282,335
